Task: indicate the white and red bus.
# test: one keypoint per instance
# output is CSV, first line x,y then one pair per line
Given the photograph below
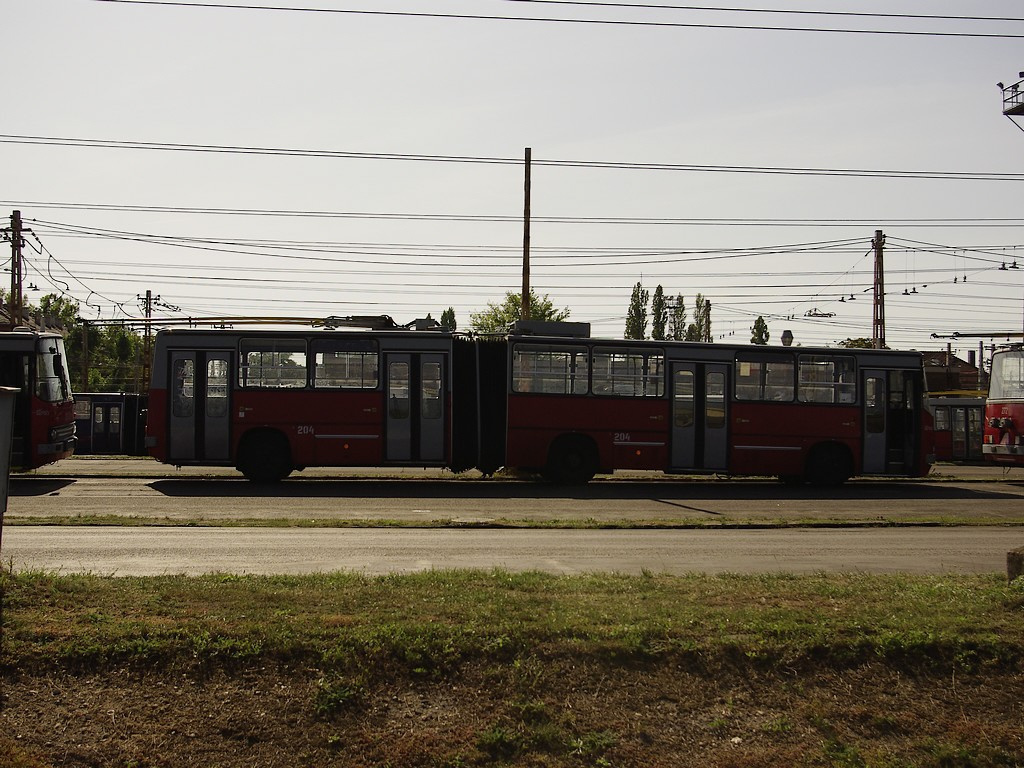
x,y
44,410
567,406
1004,408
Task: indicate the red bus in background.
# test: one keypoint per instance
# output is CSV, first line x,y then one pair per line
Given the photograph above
x,y
545,398
1004,408
958,425
44,409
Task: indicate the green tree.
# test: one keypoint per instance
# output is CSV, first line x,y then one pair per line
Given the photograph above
x,y
759,332
677,319
860,343
498,317
700,328
636,317
59,309
659,314
114,361
448,320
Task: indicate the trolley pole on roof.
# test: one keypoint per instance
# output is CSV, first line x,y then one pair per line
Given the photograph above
x,y
525,304
878,323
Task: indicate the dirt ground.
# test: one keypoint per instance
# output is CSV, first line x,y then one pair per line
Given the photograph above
x,y
530,712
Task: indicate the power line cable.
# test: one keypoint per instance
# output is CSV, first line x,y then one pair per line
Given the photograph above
x,y
986,221
802,12
592,164
563,20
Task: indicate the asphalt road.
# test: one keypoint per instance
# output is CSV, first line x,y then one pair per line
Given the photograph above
x,y
200,521
154,551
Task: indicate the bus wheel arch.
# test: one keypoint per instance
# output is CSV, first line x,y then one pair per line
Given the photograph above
x,y
572,460
264,456
828,464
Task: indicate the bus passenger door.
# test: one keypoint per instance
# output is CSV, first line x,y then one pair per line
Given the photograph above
x,y
200,407
415,394
699,416
890,421
106,428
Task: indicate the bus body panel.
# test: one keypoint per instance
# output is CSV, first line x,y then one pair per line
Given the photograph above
x,y
381,420
564,406
630,434
773,439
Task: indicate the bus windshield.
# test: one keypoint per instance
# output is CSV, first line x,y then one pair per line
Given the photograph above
x,y
1007,375
52,382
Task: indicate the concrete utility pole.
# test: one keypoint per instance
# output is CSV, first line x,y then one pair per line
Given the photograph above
x,y
525,304
148,340
878,323
16,304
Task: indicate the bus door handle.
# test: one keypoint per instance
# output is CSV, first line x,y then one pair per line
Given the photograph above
x,y
370,410
742,421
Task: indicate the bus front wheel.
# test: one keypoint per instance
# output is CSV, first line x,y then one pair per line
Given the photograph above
x,y
265,457
572,460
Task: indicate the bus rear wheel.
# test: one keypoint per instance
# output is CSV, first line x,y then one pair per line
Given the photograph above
x,y
265,458
572,460
829,465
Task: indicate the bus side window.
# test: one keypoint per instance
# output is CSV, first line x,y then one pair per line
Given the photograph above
x,y
827,379
942,418
273,363
761,376
183,397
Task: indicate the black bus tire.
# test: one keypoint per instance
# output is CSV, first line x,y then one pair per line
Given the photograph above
x,y
572,460
829,464
264,457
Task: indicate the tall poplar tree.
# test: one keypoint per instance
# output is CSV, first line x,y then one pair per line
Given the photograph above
x,y
659,314
636,317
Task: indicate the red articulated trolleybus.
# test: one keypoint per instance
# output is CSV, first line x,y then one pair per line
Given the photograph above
x,y
546,397
44,409
1003,438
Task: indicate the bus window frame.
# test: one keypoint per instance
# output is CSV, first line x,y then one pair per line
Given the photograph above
x,y
766,389
606,385
364,348
243,380
523,379
841,385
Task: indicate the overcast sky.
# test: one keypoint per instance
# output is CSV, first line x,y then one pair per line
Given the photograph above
x,y
410,236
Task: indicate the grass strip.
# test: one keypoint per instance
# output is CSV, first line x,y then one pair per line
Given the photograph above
x,y
427,623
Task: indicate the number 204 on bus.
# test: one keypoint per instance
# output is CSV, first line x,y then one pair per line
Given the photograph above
x,y
545,398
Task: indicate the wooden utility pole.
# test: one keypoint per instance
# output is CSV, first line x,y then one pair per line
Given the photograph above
x,y
16,304
878,323
525,304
